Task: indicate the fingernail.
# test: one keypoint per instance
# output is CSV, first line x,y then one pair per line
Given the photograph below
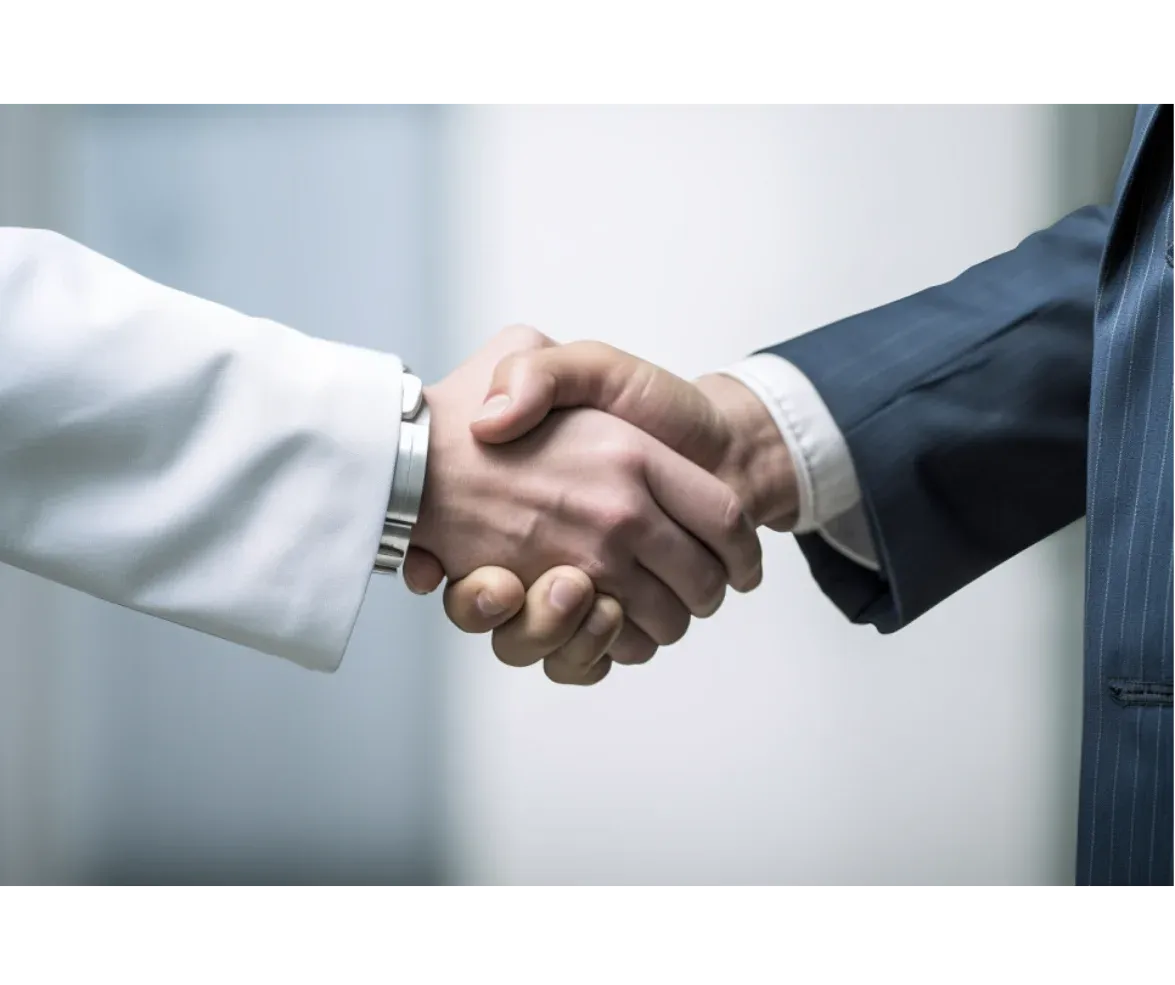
x,y
487,605
566,594
599,623
494,407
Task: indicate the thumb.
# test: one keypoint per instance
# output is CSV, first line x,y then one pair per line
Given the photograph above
x,y
527,386
422,572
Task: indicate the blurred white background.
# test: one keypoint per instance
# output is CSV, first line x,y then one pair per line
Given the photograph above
x,y
776,744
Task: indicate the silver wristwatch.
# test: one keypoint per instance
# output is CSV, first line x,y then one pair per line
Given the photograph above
x,y
407,479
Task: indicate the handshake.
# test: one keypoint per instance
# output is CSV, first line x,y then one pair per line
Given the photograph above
x,y
584,504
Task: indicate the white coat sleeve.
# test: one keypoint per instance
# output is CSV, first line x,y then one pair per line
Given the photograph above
x,y
166,453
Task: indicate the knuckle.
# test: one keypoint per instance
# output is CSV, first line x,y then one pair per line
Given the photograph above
x,y
754,551
633,652
561,671
509,652
598,672
712,590
598,565
587,647
460,609
701,578
629,454
730,516
636,658
743,552
517,366
598,349
675,627
621,450
597,353
525,336
622,516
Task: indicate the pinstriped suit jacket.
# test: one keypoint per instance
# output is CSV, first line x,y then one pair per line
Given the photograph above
x,y
984,414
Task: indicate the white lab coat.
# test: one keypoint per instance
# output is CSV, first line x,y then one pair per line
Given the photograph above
x,y
169,454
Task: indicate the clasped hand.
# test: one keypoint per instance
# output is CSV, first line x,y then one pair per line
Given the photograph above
x,y
583,537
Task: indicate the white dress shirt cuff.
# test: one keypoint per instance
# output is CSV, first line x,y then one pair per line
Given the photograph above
x,y
828,492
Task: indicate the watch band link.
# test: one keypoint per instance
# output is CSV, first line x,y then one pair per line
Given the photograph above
x,y
407,479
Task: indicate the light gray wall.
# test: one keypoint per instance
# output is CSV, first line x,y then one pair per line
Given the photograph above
x,y
777,743
145,752
31,803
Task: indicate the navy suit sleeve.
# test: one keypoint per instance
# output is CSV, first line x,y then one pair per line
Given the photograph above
x,y
965,408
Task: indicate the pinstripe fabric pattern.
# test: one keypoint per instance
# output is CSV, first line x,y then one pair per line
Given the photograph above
x,y
1126,790
986,413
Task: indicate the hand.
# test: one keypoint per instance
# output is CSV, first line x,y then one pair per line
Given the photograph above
x,y
716,422
571,637
584,488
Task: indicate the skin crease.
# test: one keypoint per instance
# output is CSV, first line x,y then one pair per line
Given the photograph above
x,y
716,421
587,489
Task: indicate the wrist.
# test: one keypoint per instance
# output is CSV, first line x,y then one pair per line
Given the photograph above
x,y
426,534
757,464
408,474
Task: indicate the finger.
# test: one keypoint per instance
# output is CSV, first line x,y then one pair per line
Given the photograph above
x,y
516,339
683,564
561,674
708,509
527,386
422,572
649,605
555,606
511,341
484,599
583,658
632,646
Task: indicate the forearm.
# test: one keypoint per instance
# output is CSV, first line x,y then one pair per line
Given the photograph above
x,y
980,384
965,410
160,451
